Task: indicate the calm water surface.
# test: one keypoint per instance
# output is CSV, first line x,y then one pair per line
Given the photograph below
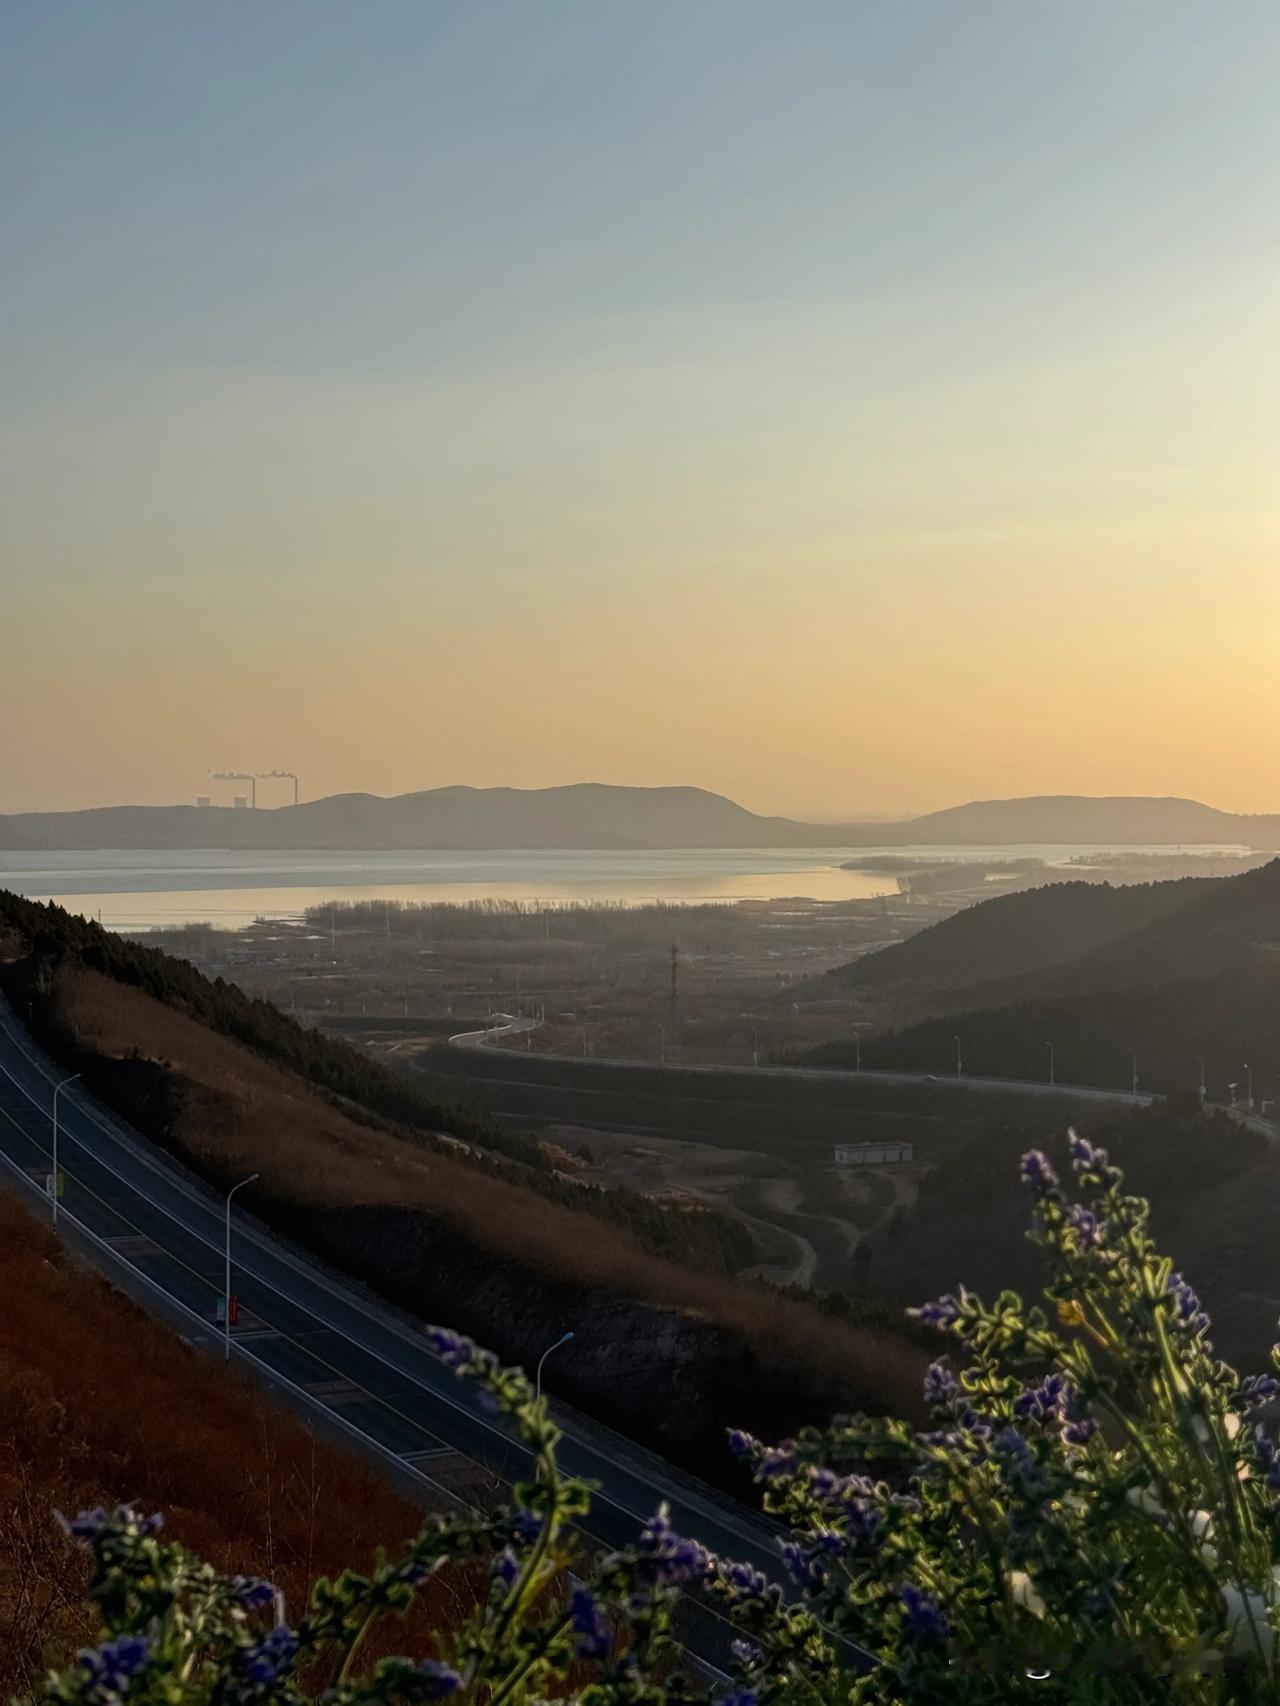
x,y
147,890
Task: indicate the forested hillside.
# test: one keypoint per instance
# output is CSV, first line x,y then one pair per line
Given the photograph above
x,y
1018,934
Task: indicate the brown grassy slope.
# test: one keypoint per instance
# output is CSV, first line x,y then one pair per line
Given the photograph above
x,y
99,1404
238,1114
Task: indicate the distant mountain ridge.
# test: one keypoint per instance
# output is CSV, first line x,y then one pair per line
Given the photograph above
x,y
596,815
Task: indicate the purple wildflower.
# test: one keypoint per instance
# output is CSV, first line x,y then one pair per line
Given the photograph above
x,y
804,1567
1046,1402
744,1581
922,1619
1268,1455
674,1557
743,1697
780,1460
252,1592
942,1313
594,1637
113,1666
527,1525
940,1385
506,1568
88,1526
1085,1225
1085,1156
439,1679
453,1349
744,1653
741,1444
1038,1174
1187,1311
1255,1390
272,1659
1017,1463
1080,1432
864,1522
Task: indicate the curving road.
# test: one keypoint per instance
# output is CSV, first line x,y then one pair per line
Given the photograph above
x,y
328,1346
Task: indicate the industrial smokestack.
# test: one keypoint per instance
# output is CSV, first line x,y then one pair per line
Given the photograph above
x,y
239,776
281,776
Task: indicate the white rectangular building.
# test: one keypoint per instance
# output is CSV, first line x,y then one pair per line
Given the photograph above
x,y
871,1154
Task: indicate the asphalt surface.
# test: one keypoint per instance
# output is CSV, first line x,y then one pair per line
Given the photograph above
x,y
334,1348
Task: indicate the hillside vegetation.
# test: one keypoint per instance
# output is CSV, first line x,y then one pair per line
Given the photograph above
x,y
99,1404
53,937
1180,972
475,1242
1016,935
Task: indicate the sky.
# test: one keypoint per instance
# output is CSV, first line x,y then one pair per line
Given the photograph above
x,y
851,408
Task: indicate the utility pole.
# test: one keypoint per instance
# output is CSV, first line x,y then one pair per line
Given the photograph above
x,y
959,1060
1133,1082
675,974
1199,1059
74,1076
1052,1075
226,1294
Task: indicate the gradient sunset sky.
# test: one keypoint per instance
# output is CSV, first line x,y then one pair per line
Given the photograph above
x,y
850,407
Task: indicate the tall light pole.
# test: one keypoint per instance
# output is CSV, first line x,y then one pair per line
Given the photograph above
x,y
1199,1060
755,1048
1052,1074
959,1060
226,1290
73,1079
857,1051
537,1379
1249,1090
1133,1081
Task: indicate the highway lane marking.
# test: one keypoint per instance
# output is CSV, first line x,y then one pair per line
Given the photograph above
x,y
391,1409
132,1146
273,1373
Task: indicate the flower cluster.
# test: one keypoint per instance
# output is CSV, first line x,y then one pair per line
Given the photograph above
x,y
1083,1512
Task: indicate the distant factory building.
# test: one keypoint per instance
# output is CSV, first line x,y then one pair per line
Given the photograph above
x,y
871,1154
241,802
203,801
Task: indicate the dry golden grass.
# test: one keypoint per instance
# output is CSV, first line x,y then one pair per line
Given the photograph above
x,y
99,1404
243,1115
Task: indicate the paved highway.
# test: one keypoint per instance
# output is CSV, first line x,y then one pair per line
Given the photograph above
x,y
817,1074
331,1346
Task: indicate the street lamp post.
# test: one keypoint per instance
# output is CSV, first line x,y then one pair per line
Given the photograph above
x,y
1199,1060
73,1078
537,1379
755,1048
1052,1072
857,1051
959,1059
226,1290
1248,1086
1133,1081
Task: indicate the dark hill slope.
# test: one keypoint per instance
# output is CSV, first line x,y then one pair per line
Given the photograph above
x,y
1199,976
1017,934
1229,1018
